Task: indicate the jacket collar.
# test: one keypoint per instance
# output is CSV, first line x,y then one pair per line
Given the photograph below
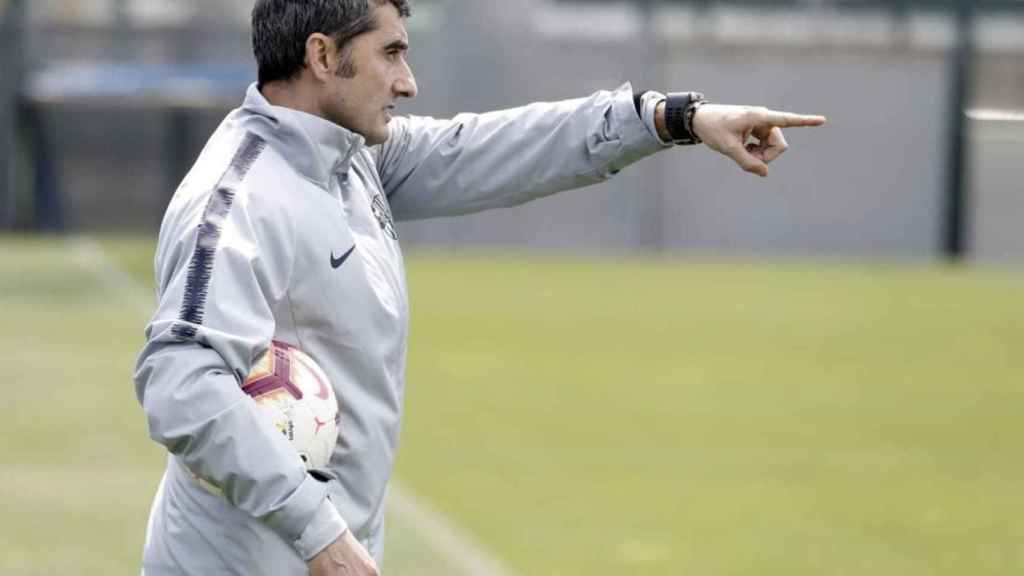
x,y
315,147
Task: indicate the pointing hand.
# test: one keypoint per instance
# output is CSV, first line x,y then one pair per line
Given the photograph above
x,y
751,136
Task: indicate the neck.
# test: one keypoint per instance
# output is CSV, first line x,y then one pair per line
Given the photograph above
x,y
293,94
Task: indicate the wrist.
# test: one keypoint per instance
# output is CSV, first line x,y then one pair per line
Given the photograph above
x,y
697,126
660,124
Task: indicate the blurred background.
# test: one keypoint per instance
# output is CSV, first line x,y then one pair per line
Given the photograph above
x,y
686,369
107,102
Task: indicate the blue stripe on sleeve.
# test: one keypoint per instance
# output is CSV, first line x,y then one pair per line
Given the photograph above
x,y
200,268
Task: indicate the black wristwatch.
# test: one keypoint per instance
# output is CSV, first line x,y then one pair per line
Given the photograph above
x,y
680,108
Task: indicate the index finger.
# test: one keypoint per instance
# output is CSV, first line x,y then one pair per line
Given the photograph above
x,y
790,120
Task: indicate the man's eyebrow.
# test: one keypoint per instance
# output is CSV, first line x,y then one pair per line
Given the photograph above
x,y
398,45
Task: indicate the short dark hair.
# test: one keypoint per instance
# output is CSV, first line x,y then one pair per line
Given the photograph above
x,y
280,29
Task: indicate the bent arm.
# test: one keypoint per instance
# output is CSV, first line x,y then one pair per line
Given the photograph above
x,y
214,319
474,162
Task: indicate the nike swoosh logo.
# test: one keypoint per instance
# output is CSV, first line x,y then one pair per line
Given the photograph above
x,y
337,262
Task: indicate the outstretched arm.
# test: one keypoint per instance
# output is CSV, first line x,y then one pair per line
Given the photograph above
x,y
433,167
472,162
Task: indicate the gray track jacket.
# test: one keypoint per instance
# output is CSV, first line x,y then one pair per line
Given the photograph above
x,y
283,230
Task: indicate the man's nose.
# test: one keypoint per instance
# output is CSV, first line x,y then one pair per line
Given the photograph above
x,y
405,85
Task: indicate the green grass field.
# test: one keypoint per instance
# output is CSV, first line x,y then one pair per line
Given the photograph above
x,y
632,416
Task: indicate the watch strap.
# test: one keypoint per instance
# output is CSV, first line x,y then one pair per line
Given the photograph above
x,y
680,108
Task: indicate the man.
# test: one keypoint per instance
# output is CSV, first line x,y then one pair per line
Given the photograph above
x,y
283,230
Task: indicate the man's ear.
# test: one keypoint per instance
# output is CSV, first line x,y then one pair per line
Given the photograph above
x,y
321,55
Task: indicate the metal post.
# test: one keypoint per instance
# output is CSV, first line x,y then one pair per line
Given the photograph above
x,y
12,21
954,241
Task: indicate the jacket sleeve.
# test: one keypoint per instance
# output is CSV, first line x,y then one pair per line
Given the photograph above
x,y
474,162
222,267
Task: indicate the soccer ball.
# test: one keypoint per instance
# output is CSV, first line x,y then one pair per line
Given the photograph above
x,y
293,392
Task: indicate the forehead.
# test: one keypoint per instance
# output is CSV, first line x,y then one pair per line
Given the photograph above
x,y
390,24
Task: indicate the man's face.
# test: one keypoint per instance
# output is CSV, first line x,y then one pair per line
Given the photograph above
x,y
363,101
